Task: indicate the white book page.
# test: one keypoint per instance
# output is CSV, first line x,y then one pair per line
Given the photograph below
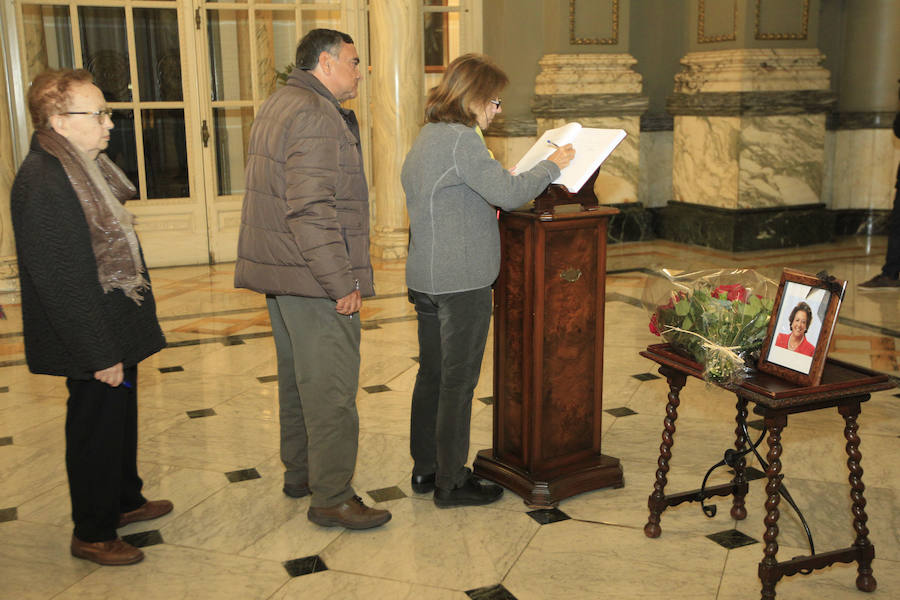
x,y
592,147
541,149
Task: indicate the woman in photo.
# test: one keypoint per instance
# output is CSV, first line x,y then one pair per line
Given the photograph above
x,y
796,341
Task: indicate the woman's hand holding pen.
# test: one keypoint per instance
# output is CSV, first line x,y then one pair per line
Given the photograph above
x,y
563,155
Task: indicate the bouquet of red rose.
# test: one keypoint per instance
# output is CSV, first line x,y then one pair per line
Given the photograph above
x,y
719,318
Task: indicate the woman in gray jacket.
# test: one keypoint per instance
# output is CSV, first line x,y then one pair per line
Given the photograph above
x,y
453,189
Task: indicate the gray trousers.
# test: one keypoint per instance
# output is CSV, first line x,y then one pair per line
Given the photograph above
x,y
453,331
318,376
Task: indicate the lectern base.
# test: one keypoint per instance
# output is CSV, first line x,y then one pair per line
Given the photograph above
x,y
599,472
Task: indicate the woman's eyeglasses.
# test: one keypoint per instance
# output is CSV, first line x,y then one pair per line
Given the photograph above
x,y
496,102
105,113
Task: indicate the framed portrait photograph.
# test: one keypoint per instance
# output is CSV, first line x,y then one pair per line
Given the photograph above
x,y
801,326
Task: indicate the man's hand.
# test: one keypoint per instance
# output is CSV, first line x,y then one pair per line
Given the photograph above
x,y
349,304
111,376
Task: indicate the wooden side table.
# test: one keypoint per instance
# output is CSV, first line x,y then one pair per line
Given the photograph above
x,y
843,386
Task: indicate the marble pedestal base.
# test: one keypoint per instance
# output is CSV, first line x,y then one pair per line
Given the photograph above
x,y
746,229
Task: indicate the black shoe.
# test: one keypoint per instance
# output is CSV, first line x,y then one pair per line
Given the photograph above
x,y
422,484
295,490
473,492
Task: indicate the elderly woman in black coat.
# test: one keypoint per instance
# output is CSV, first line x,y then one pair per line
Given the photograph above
x,y
88,313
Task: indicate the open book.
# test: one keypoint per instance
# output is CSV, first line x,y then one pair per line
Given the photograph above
x,y
592,146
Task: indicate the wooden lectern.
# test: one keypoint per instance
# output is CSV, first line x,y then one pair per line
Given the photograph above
x,y
548,350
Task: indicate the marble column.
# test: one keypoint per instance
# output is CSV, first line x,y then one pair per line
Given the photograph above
x,y
397,80
748,146
8,281
600,90
865,153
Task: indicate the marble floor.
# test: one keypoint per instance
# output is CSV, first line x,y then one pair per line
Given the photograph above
x,y
209,442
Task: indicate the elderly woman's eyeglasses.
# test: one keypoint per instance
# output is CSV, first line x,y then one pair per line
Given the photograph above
x,y
497,102
105,113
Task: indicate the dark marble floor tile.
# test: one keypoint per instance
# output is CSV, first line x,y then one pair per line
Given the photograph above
x,y
732,538
242,475
174,369
4,389
232,341
368,326
645,376
304,566
491,592
267,378
620,411
9,514
388,493
375,389
203,412
6,441
545,516
416,358
487,400
142,539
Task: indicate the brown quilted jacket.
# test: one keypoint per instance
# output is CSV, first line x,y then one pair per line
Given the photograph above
x,y
305,219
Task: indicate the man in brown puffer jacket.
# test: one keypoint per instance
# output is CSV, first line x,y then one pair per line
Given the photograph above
x,y
304,242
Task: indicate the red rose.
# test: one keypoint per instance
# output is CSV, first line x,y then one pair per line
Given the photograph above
x,y
731,292
654,325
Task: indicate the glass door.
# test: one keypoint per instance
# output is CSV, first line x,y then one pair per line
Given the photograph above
x,y
135,50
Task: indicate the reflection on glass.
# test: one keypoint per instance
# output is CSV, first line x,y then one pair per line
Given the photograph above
x,y
232,130
158,55
104,50
276,51
229,54
314,19
49,38
122,148
165,153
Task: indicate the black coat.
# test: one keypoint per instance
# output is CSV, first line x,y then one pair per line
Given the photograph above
x,y
71,327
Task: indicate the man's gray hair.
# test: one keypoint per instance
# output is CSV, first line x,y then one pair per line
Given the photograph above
x,y
317,41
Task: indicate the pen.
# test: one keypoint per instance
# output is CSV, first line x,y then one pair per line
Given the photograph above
x,y
552,144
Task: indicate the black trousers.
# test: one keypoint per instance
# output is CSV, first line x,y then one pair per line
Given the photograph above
x,y
891,266
453,330
101,455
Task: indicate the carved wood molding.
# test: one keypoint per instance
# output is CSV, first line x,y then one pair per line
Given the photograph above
x,y
804,26
614,18
702,38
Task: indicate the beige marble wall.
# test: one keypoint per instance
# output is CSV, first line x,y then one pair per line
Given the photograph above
x,y
397,112
864,169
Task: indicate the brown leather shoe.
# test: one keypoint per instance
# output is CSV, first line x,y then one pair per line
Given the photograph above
x,y
151,510
111,553
352,514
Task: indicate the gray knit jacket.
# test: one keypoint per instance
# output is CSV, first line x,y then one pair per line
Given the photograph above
x,y
452,187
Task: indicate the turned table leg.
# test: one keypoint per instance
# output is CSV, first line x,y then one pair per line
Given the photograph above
x,y
657,501
738,508
768,568
865,581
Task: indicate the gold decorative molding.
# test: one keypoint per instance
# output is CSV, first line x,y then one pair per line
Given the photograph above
x,y
614,16
804,26
702,38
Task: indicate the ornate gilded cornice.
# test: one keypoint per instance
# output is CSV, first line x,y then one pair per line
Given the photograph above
x,y
702,38
804,26
614,17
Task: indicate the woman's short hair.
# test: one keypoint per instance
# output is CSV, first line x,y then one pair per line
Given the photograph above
x,y
469,79
315,43
805,308
50,94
